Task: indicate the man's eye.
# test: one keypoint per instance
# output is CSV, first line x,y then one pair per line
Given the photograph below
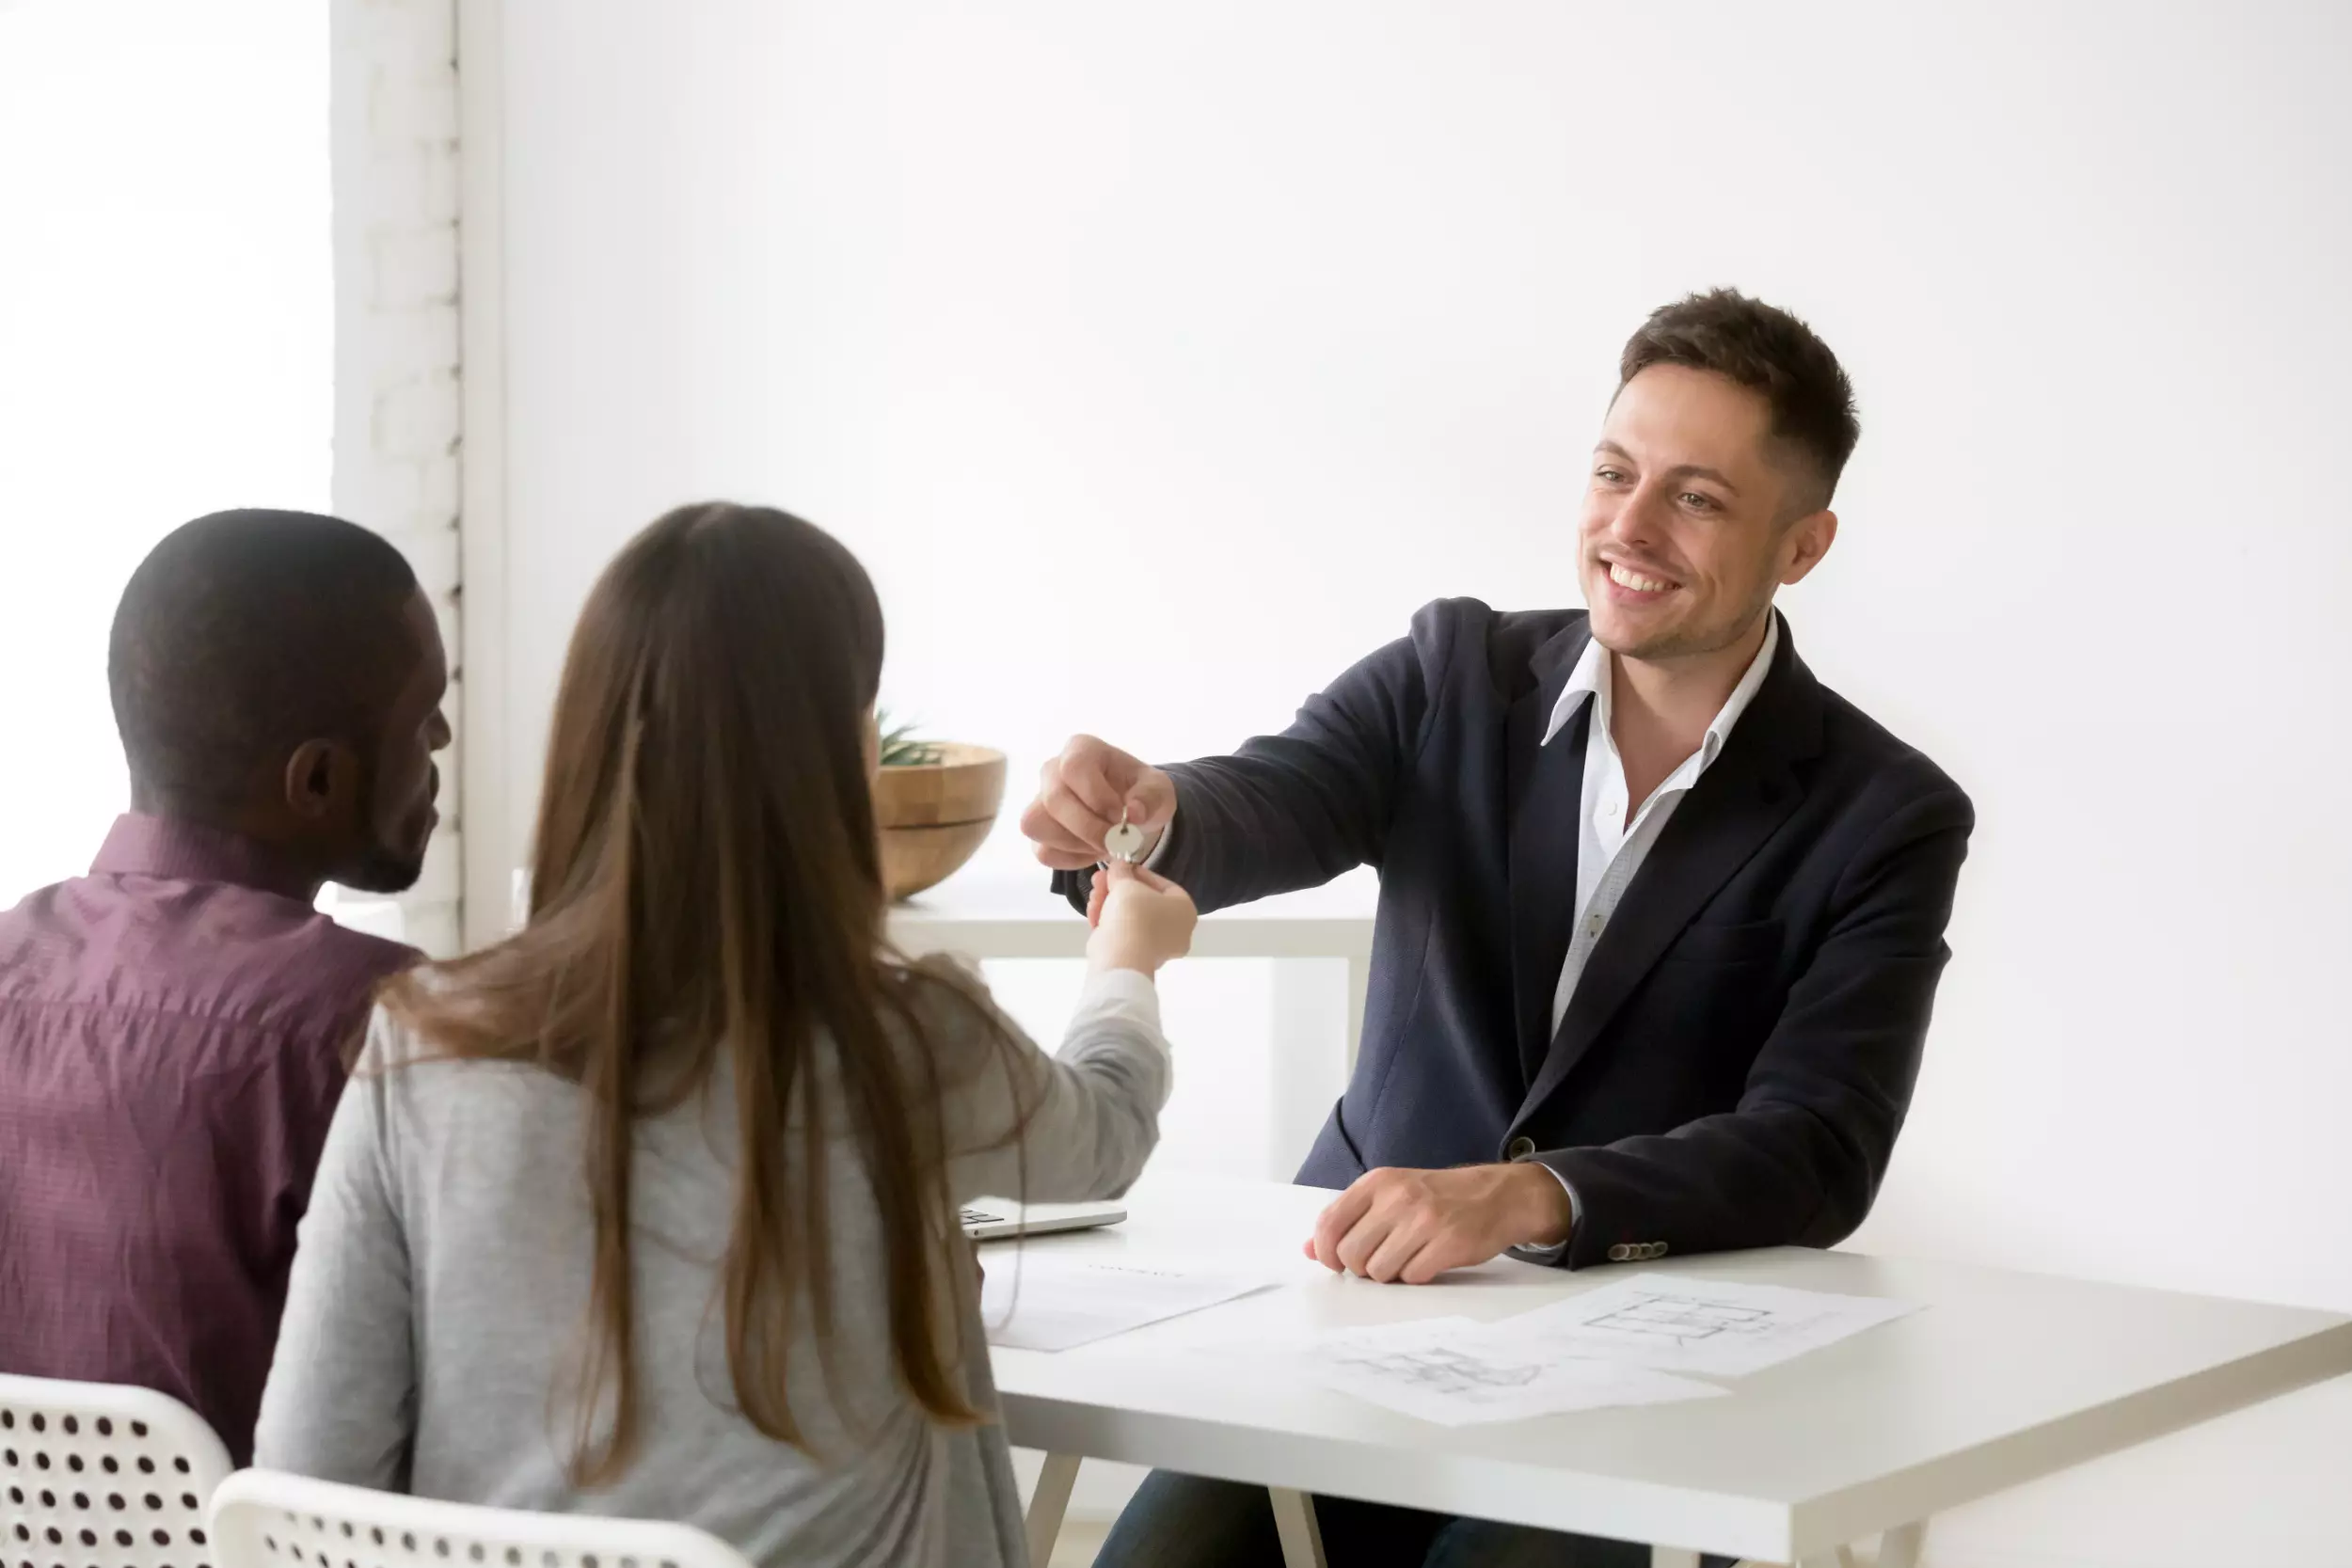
x,y
1614,476
1697,502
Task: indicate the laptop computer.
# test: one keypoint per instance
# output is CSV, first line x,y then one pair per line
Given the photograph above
x,y
997,1219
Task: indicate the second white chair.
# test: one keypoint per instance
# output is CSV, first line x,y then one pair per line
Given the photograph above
x,y
265,1519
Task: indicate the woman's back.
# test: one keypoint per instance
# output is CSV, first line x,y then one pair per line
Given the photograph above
x,y
446,1256
650,1208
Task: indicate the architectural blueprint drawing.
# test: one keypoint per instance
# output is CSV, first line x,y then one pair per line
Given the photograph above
x,y
1456,1372
1711,1327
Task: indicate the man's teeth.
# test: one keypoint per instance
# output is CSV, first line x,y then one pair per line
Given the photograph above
x,y
1634,580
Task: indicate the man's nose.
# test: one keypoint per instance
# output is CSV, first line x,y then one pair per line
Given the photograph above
x,y
1635,521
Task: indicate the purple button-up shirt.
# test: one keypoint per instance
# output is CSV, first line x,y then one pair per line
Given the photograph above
x,y
173,1033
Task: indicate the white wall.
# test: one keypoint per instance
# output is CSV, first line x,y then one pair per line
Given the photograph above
x,y
1159,362
232,255
398,428
166,346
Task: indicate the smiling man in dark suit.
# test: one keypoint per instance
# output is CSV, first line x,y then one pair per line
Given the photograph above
x,y
1661,916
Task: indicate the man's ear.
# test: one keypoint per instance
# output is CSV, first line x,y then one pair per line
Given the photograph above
x,y
314,777
1808,541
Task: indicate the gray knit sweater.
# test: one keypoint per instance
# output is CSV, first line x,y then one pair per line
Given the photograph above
x,y
440,1288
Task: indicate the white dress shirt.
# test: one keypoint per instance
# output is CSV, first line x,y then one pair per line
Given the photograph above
x,y
1611,847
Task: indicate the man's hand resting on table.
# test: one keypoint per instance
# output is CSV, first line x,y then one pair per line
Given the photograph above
x,y
1412,1225
1080,797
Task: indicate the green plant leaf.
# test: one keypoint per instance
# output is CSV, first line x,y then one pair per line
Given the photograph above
x,y
901,748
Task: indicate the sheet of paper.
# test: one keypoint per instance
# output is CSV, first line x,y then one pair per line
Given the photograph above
x,y
1711,1327
1043,1300
1455,1371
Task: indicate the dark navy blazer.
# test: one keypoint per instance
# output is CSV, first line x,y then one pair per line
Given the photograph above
x,y
1740,1048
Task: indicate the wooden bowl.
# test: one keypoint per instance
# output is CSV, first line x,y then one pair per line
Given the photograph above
x,y
934,816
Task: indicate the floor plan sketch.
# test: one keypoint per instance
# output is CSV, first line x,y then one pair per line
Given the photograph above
x,y
1686,1320
1441,1370
1712,1327
1455,1371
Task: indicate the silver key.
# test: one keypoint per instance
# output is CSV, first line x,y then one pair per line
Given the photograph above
x,y
1124,842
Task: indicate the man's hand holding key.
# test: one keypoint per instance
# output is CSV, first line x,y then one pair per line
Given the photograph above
x,y
1086,795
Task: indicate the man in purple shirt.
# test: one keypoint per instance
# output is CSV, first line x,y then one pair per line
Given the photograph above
x,y
175,1026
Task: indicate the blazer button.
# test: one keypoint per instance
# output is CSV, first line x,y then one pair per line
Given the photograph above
x,y
1620,1253
1520,1149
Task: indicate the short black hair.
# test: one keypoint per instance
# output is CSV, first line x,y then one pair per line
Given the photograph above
x,y
1768,351
245,633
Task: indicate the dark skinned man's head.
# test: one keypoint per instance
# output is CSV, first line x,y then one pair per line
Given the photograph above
x,y
280,675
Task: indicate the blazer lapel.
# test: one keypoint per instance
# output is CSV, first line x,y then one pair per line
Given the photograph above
x,y
1545,805
1735,805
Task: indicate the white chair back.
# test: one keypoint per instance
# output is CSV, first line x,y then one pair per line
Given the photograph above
x,y
97,1475
265,1519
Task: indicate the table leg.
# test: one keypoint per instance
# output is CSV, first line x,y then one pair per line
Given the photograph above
x,y
1900,1547
1048,1503
1295,1522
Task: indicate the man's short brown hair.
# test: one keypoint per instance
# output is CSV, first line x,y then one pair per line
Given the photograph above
x,y
1768,351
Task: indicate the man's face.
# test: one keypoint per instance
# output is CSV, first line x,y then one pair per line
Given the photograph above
x,y
1687,527
404,780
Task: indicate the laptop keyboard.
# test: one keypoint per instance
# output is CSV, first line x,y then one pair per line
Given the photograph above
x,y
970,1217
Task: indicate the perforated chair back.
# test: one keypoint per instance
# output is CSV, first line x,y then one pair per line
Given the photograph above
x,y
98,1474
266,1519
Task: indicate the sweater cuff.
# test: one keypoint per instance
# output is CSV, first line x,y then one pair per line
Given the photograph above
x,y
1122,993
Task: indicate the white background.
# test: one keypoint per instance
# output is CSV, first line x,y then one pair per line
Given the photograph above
x,y
1160,362
1160,369
166,346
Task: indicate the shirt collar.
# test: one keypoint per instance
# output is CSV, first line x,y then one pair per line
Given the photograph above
x,y
177,851
1590,679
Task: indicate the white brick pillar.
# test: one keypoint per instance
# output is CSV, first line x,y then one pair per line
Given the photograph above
x,y
398,416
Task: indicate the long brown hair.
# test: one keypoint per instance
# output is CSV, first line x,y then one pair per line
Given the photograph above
x,y
705,887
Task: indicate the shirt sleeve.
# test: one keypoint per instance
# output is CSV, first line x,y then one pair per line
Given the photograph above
x,y
341,1400
1159,847
1559,1249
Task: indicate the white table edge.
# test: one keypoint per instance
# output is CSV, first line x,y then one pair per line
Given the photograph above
x,y
1742,1527
1054,937
1935,1486
1004,913
1733,1524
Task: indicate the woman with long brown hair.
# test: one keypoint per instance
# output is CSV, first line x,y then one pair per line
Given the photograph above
x,y
650,1209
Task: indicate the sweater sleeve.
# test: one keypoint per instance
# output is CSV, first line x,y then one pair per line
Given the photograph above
x,y
341,1400
1069,1127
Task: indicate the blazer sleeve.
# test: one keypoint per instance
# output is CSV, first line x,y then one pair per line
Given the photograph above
x,y
1295,810
1801,1158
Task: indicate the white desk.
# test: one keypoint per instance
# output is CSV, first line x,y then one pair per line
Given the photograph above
x,y
994,912
2003,1378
